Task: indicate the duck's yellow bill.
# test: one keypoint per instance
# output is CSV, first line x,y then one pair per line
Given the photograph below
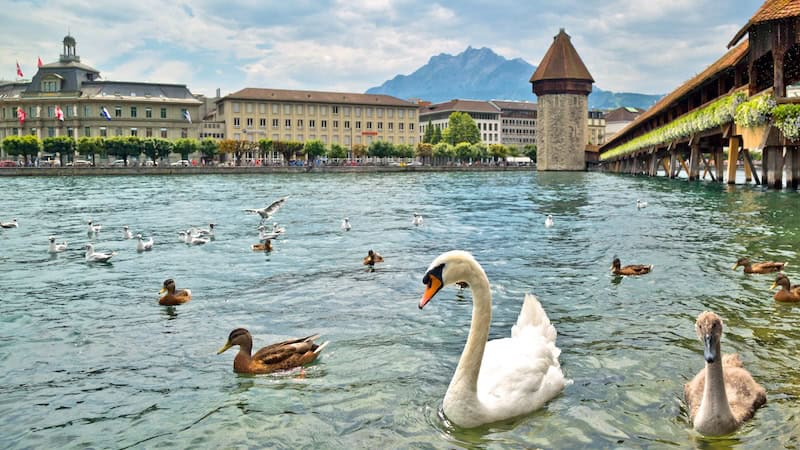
x,y
433,287
774,285
734,267
163,289
224,347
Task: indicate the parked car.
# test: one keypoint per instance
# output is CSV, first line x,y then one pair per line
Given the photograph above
x,y
8,163
119,163
181,163
79,163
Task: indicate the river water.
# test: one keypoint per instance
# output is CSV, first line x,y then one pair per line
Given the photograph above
x,y
89,359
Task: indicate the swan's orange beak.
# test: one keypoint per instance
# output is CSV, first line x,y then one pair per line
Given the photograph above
x,y
434,285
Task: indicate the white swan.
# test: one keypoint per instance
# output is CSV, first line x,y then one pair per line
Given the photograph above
x,y
142,245
56,248
548,222
189,238
502,378
93,228
346,224
417,220
93,256
720,400
640,204
126,233
12,224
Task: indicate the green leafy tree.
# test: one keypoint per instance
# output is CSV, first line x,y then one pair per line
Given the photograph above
x,y
282,147
480,150
26,146
404,151
185,147
462,128
498,151
337,152
208,148
464,151
63,145
296,149
123,147
380,149
424,150
265,147
156,148
530,151
89,147
314,149
359,150
236,148
428,136
437,135
443,152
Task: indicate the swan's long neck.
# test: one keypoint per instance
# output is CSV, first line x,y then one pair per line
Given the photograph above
x,y
465,378
714,415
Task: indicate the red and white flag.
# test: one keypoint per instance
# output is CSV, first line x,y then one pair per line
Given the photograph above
x,y
39,62
19,71
59,113
21,115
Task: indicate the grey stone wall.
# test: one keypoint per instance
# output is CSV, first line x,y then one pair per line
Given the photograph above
x,y
561,132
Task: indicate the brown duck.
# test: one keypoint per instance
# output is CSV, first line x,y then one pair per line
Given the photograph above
x,y
281,356
764,267
633,269
174,296
372,258
787,293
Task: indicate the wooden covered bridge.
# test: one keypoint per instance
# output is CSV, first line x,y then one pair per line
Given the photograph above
x,y
738,105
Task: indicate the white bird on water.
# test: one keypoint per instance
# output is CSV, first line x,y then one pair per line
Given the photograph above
x,y
640,204
142,245
205,232
346,224
264,234
548,222
189,238
126,233
417,221
56,248
93,256
12,224
93,228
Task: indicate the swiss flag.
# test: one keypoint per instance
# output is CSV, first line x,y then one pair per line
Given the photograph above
x,y
21,115
39,62
19,71
59,113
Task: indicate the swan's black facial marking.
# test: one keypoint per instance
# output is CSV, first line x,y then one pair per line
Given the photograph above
x,y
433,282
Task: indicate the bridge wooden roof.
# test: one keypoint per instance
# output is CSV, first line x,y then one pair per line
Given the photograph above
x,y
561,62
770,10
728,60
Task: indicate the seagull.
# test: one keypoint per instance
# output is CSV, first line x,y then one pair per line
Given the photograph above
x,y
126,233
12,224
346,224
417,219
94,228
187,237
548,222
267,212
264,234
202,232
56,248
640,204
93,256
142,246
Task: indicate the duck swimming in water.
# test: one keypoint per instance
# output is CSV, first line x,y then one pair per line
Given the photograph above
x,y
265,246
633,269
174,296
272,358
763,267
787,292
372,258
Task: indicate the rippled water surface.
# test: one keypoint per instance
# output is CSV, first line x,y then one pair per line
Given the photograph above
x,y
89,359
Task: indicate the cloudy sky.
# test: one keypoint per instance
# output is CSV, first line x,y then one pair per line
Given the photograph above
x,y
648,46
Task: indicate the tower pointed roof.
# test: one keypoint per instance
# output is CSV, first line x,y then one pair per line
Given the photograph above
x,y
561,62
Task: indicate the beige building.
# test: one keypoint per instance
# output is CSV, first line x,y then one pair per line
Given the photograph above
x,y
597,128
340,118
485,115
134,109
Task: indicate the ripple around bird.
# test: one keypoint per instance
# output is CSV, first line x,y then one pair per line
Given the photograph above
x,y
90,360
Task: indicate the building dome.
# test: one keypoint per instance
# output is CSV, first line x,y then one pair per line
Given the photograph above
x,y
69,41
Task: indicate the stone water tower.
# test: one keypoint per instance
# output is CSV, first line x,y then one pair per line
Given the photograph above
x,y
562,84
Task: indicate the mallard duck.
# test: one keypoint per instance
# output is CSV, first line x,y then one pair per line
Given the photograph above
x,y
281,356
142,245
265,246
633,269
502,378
764,267
346,224
372,258
722,395
787,293
12,224
548,222
126,233
93,256
174,296
56,248
417,220
267,211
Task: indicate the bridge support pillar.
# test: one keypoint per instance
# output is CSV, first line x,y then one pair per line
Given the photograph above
x,y
773,167
733,158
718,156
673,163
793,167
694,162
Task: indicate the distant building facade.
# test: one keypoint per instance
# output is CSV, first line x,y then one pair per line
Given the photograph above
x,y
135,109
518,122
340,118
617,119
596,122
485,114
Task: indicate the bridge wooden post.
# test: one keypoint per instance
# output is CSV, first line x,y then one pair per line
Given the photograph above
x,y
773,170
733,158
694,161
654,164
793,166
673,162
718,155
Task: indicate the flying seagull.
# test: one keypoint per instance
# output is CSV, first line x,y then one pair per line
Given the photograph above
x,y
267,212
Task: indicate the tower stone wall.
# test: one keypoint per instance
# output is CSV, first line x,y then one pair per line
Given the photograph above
x,y
561,132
